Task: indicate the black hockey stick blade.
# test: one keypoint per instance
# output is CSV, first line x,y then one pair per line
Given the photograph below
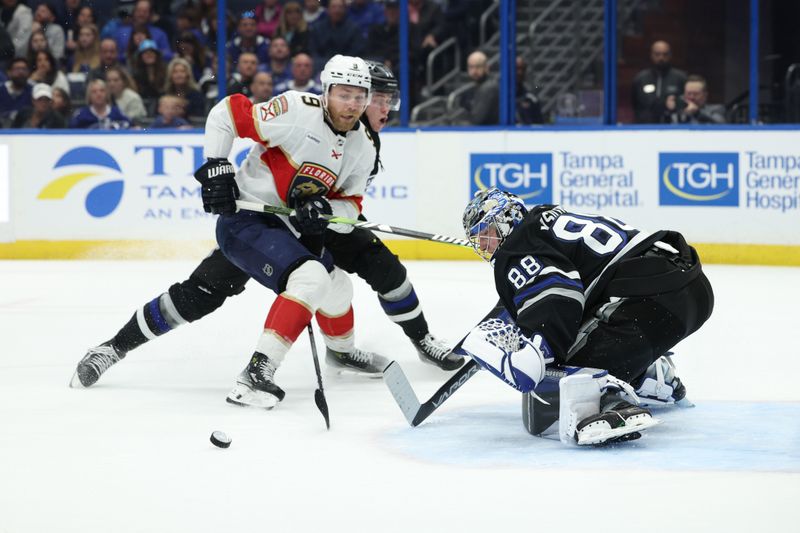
x,y
322,405
319,394
406,399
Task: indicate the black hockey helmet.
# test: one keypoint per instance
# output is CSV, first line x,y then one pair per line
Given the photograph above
x,y
384,81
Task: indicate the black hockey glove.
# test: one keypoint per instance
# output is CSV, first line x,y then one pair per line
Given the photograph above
x,y
307,218
218,188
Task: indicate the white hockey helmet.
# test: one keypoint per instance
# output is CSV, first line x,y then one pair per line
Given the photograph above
x,y
346,70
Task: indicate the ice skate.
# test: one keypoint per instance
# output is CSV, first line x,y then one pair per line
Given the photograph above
x,y
660,386
617,421
433,351
96,361
358,362
255,386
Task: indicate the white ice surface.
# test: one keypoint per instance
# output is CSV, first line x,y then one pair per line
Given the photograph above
x,y
133,453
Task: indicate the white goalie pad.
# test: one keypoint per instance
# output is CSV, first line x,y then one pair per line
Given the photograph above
x,y
579,398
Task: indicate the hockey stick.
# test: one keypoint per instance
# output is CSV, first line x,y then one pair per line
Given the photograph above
x,y
383,228
319,394
398,384
406,399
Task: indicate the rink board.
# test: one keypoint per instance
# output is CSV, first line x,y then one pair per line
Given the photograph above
x,y
133,195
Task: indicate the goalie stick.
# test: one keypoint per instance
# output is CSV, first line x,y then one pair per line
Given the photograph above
x,y
406,399
404,395
383,228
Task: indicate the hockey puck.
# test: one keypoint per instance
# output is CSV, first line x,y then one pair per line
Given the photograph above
x,y
220,439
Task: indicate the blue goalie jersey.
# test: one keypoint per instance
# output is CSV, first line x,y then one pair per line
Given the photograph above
x,y
553,269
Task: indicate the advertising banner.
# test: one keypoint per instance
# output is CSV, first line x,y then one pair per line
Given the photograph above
x,y
727,186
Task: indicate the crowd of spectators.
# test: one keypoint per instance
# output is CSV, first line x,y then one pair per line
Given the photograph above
x,y
156,61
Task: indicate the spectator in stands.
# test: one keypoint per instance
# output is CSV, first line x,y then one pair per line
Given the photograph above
x,y
189,47
99,113
208,24
137,37
261,88
302,77
652,86
149,70
335,34
247,39
528,107
62,102
294,28
15,94
246,68
83,18
383,44
87,54
188,20
41,115
181,83
693,106
268,15
18,21
7,51
313,11
141,19
279,61
430,19
123,93
366,14
171,113
69,19
36,43
209,85
109,57
484,103
44,18
123,18
46,71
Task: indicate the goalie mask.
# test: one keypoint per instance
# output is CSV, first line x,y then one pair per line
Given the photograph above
x,y
489,219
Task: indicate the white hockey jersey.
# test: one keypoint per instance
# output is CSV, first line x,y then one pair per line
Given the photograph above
x,y
297,154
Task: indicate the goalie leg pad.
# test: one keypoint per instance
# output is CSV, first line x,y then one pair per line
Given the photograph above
x,y
586,420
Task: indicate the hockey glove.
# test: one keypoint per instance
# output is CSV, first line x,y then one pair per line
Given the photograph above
x,y
307,215
218,188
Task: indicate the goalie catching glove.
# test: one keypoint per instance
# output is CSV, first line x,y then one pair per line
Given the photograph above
x,y
218,186
506,352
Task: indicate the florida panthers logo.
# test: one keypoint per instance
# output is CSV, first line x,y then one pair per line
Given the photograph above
x,y
311,180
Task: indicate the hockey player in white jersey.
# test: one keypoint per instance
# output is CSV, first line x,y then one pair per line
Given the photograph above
x,y
313,155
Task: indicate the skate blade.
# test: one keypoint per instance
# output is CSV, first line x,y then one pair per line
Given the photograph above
x,y
244,396
607,436
75,382
331,371
651,403
453,365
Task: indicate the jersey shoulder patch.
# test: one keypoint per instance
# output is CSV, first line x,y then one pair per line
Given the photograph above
x,y
274,108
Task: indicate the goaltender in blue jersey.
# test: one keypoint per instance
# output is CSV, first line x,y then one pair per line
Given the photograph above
x,y
589,308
